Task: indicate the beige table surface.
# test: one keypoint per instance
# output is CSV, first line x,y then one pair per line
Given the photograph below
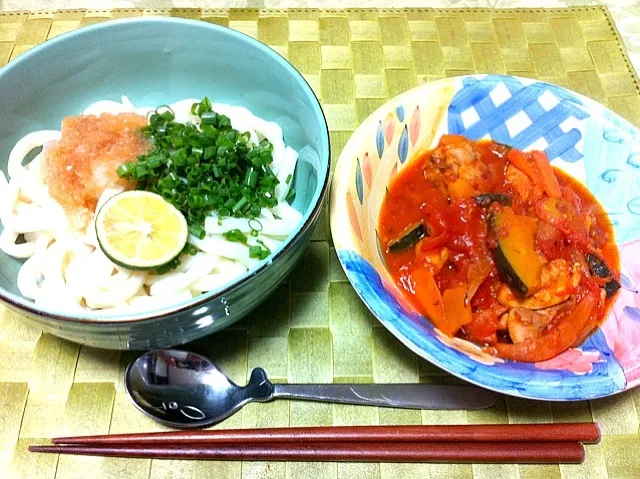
x,y
626,13
618,458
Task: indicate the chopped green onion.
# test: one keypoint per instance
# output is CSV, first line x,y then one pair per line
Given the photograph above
x,y
290,196
255,225
141,171
197,231
259,251
209,152
125,169
251,178
254,210
205,167
167,114
209,118
235,235
242,202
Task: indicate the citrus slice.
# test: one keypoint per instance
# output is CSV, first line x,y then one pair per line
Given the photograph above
x,y
140,230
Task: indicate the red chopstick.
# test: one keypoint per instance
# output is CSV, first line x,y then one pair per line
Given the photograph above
x,y
568,432
460,452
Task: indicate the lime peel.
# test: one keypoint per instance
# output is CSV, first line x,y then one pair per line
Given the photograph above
x,y
140,230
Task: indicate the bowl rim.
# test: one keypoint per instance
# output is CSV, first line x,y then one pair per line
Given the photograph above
x,y
19,303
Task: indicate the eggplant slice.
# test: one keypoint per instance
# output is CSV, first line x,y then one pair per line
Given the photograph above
x,y
485,199
597,267
611,287
408,238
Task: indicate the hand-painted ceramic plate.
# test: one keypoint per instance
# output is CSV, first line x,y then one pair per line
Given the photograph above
x,y
580,136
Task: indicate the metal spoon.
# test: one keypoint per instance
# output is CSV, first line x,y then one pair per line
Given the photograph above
x,y
185,390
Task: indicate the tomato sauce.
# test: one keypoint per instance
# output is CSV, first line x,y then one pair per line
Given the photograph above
x,y
498,247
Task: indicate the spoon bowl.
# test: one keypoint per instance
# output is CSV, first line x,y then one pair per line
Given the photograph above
x,y
183,389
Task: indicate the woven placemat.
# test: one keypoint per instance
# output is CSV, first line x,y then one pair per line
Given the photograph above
x,y
314,328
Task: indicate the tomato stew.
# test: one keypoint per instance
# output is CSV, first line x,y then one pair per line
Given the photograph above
x,y
498,247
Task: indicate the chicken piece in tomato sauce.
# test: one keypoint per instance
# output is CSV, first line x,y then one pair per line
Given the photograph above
x,y
496,246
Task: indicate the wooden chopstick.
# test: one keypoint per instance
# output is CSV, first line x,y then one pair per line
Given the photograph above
x,y
461,452
569,432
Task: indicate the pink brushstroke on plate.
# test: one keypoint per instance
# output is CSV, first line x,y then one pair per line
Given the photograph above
x,y
573,360
366,169
389,127
353,216
414,127
622,332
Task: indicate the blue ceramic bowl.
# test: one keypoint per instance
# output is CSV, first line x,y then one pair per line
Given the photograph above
x,y
158,61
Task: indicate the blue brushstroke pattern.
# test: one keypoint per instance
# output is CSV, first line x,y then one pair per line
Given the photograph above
x,y
400,113
359,182
518,379
631,312
627,283
475,93
380,140
634,160
612,175
613,136
379,246
403,145
634,206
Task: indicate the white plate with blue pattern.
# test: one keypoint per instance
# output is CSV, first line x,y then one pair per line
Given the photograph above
x,y
580,136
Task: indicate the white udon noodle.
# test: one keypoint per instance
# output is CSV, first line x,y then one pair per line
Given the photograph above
x,y
64,268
